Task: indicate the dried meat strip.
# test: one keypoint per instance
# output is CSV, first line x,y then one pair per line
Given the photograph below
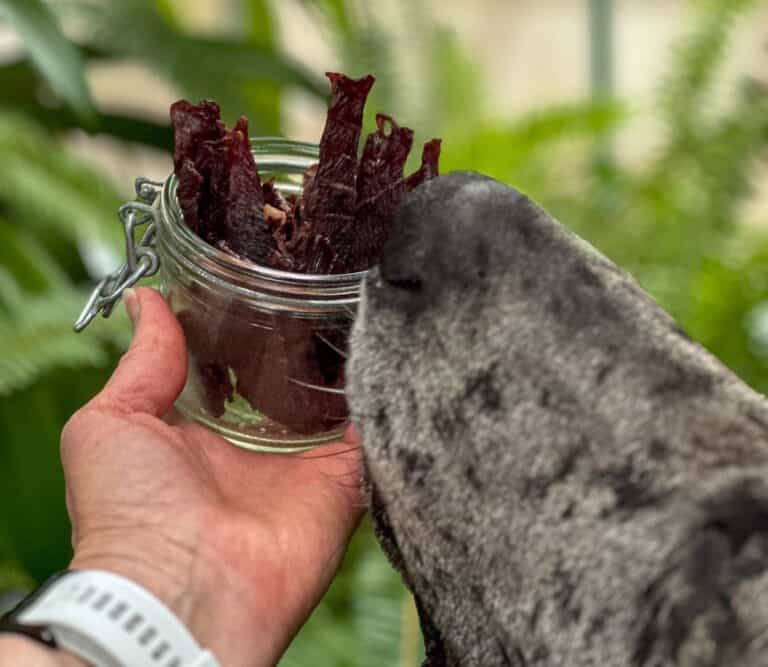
x,y
232,203
193,125
380,189
329,197
430,156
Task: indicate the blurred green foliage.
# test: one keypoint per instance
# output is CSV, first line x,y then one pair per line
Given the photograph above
x,y
675,221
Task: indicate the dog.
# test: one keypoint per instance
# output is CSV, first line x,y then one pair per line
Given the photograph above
x,y
560,474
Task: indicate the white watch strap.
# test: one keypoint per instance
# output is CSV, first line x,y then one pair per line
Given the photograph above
x,y
110,621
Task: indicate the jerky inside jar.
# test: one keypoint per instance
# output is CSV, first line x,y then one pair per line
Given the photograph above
x,y
264,244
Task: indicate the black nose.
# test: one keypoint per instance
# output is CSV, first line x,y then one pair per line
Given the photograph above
x,y
409,284
400,277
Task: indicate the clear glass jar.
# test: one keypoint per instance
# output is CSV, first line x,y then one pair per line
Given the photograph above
x,y
267,348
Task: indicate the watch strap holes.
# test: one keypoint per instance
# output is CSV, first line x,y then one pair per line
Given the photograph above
x,y
133,622
161,650
102,601
147,636
117,611
86,595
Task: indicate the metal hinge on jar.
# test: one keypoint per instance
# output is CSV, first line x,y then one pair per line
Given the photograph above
x,y
141,260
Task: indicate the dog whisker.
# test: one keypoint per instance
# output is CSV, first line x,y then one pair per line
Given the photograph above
x,y
317,387
341,353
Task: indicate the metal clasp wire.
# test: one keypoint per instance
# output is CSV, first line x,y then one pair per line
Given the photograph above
x,y
141,259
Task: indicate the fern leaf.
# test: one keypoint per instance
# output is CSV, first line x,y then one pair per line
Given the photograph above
x,y
52,190
13,577
695,64
28,261
503,150
11,295
729,153
201,66
380,633
37,336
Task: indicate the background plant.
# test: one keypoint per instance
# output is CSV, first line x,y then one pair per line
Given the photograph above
x,y
675,222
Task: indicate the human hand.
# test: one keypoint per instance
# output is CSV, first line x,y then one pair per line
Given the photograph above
x,y
240,545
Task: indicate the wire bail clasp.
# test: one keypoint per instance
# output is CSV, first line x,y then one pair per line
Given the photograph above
x,y
141,259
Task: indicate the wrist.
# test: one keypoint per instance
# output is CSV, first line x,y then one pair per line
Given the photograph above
x,y
206,598
18,650
164,568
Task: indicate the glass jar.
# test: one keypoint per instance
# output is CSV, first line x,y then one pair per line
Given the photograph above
x,y
266,348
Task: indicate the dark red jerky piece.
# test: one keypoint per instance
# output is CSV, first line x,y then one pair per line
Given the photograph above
x,y
330,195
201,327
294,382
380,189
279,215
273,359
384,157
281,257
233,203
188,193
324,257
430,156
311,252
273,197
192,125
308,177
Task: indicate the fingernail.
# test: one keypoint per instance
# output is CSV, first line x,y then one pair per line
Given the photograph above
x,y
132,305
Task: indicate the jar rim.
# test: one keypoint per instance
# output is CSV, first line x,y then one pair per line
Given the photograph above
x,y
273,153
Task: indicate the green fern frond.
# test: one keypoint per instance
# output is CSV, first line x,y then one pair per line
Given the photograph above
x,y
364,46
36,336
683,95
13,577
687,204
11,295
378,612
504,151
50,188
457,98
24,257
201,66
729,153
377,631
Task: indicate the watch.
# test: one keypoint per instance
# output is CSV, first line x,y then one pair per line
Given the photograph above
x,y
107,620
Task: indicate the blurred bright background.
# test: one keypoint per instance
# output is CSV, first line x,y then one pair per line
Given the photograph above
x,y
640,124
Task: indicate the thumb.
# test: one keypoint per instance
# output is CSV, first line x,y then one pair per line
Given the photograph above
x,y
152,373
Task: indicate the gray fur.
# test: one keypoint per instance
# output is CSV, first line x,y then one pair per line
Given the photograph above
x,y
561,475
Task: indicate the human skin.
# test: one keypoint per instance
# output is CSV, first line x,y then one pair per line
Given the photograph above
x,y
240,546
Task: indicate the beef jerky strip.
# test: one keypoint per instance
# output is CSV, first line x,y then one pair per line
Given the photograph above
x,y
273,197
234,208
192,125
189,192
279,215
204,328
329,199
380,189
430,155
291,242
292,376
